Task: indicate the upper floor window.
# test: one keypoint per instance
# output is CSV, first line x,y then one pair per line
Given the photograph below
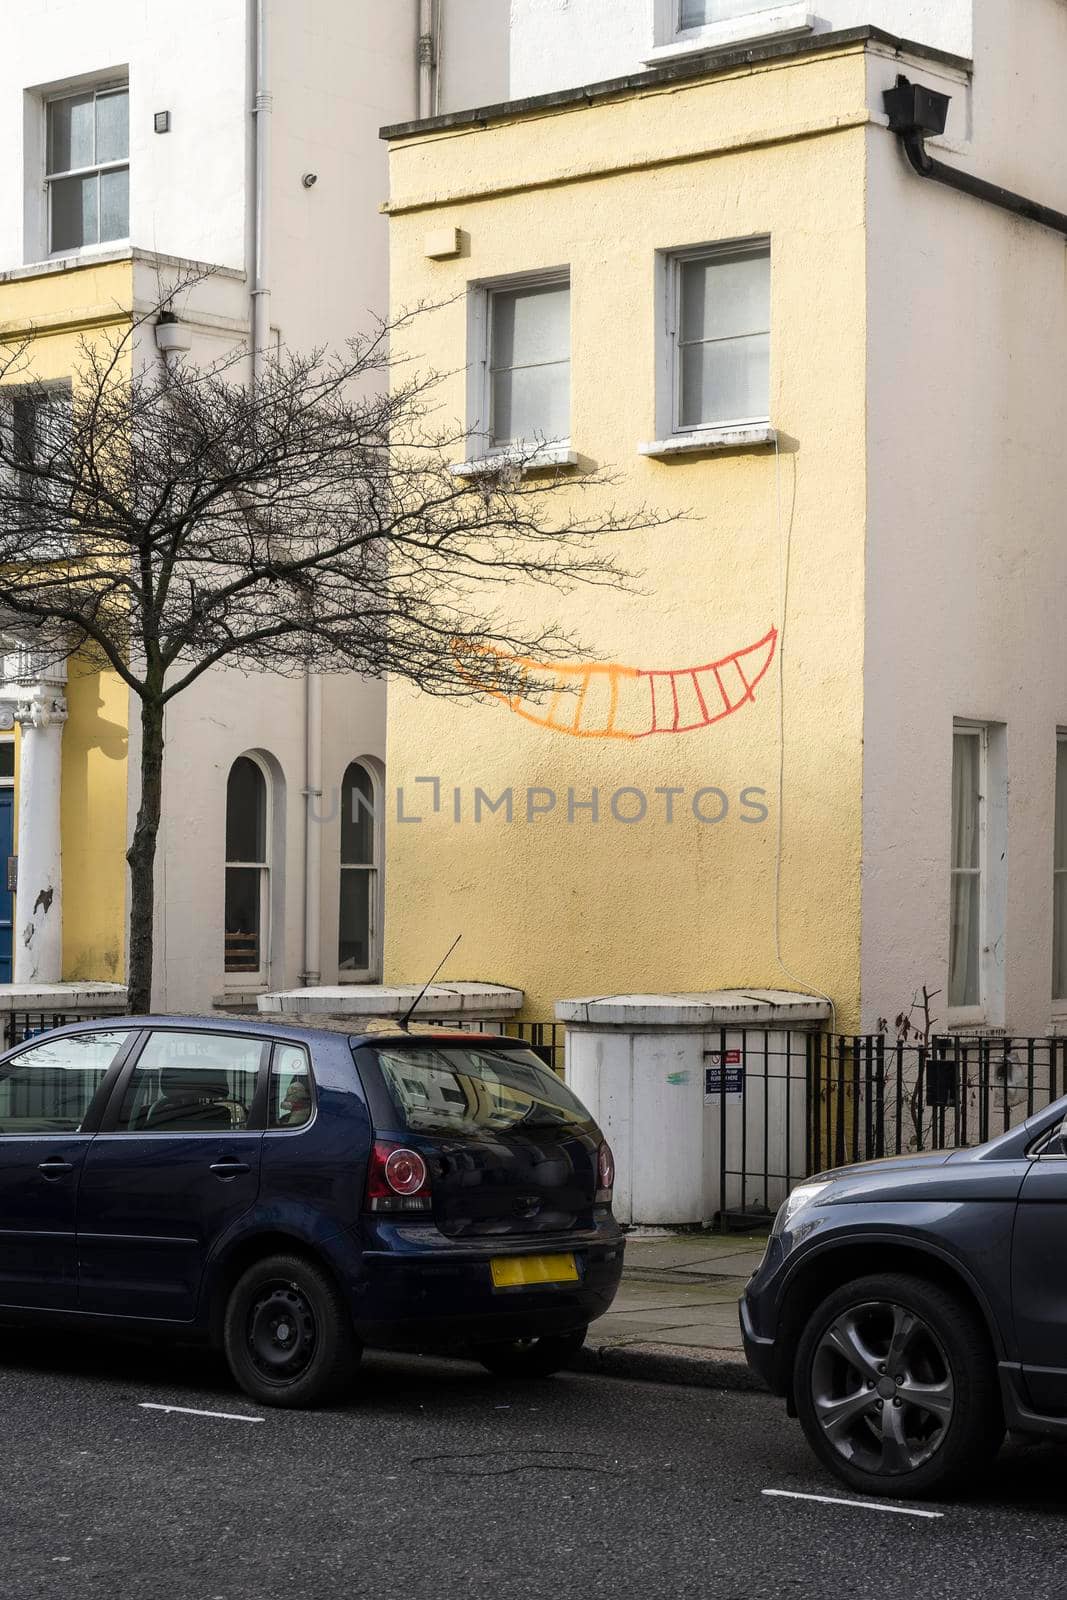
x,y
247,870
701,13
718,317
34,429
525,331
88,168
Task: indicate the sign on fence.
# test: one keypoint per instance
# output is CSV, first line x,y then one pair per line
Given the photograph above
x,y
724,1074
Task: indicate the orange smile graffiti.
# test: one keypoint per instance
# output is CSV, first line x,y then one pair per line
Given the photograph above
x,y
615,702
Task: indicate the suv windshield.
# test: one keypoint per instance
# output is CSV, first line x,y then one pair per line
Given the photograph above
x,y
459,1088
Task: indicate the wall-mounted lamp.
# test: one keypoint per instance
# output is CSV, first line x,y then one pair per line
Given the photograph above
x,y
309,180
161,121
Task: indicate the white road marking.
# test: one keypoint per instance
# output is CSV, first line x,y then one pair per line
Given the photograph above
x,y
189,1411
860,1505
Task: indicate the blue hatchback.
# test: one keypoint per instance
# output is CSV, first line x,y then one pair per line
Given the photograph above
x,y
295,1194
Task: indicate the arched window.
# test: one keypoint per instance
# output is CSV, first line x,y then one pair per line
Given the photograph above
x,y
357,942
247,869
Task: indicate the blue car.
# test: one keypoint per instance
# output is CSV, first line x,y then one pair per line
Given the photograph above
x,y
911,1310
296,1194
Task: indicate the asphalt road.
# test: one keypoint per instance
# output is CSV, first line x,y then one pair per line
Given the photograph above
x,y
440,1481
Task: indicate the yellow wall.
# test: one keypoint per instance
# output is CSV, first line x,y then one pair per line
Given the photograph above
x,y
53,313
565,910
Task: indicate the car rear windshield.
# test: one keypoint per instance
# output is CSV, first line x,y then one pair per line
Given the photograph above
x,y
465,1089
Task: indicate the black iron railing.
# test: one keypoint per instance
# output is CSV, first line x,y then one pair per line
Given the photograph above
x,y
785,1106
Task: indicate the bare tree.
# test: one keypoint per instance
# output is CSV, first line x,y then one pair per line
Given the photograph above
x,y
165,520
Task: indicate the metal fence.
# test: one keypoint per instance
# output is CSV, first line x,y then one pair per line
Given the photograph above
x,y
17,1026
786,1105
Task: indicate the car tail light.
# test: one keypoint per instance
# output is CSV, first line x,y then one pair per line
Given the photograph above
x,y
605,1173
397,1179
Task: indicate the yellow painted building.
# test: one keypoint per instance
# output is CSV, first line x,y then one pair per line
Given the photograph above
x,y
726,751
46,316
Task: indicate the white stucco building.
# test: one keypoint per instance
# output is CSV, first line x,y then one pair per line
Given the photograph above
x,y
242,136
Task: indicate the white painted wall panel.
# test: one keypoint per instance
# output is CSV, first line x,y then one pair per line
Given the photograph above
x,y
559,44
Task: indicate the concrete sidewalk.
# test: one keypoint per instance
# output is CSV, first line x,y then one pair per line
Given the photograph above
x,y
675,1317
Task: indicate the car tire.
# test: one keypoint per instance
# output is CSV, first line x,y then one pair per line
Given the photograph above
x,y
531,1358
287,1337
896,1387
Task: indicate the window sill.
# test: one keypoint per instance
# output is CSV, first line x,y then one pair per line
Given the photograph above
x,y
756,436
490,466
782,22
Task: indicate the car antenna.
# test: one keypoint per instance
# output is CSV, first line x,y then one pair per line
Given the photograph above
x,y
406,1018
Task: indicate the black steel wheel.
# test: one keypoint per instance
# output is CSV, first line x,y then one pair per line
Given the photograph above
x,y
286,1335
535,1357
896,1387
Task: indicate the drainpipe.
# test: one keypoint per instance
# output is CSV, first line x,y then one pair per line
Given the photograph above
x,y
916,113
429,51
312,973
261,112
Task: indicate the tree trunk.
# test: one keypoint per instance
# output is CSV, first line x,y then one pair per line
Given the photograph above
x,y
142,857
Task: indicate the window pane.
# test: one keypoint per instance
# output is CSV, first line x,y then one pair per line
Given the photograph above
x,y
7,758
357,818
1059,937
74,212
115,204
964,984
697,13
353,954
192,1083
50,1087
113,126
70,133
246,812
244,892
532,403
531,325
726,382
725,296
290,1096
966,799
1061,805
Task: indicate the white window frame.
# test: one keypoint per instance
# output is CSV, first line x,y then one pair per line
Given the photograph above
x,y
1059,1002
480,445
97,89
669,363
259,978
372,973
992,869
763,19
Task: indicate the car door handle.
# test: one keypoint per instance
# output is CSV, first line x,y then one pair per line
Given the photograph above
x,y
229,1167
54,1167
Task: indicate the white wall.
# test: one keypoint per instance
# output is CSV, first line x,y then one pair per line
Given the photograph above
x,y
187,187
966,557
559,44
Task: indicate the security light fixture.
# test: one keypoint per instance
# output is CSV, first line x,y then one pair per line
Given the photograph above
x,y
162,121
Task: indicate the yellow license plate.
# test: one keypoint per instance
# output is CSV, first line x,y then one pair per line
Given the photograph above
x,y
511,1272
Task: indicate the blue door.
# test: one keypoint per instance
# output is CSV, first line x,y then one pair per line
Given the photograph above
x,y
7,842
170,1173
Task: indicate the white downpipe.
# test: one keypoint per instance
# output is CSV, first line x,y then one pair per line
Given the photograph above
x,y
312,830
262,113
429,48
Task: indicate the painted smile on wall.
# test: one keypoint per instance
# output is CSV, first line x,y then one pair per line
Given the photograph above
x,y
598,701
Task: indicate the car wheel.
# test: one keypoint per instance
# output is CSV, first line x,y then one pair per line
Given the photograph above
x,y
531,1358
896,1387
286,1335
